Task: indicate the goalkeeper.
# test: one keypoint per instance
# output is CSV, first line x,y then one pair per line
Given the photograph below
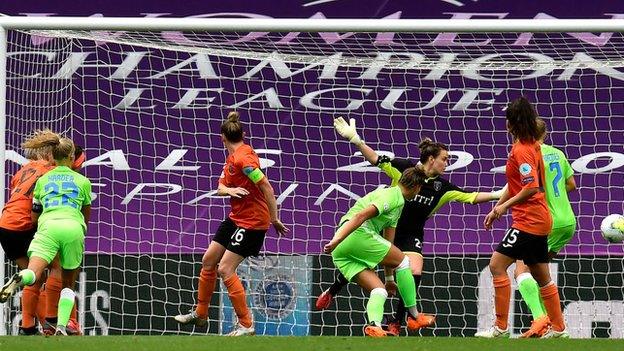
x,y
409,237
357,248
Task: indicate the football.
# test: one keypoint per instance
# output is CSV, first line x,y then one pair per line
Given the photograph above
x,y
612,228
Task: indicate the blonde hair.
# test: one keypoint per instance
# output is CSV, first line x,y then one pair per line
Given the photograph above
x,y
64,149
41,144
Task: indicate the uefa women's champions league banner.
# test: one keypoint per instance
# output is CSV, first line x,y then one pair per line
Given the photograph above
x,y
149,120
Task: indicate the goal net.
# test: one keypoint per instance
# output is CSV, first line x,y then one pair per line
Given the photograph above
x,y
147,106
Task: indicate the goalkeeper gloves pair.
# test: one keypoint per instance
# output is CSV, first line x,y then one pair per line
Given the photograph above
x,y
348,131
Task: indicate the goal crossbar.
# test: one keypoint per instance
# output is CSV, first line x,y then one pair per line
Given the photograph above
x,y
313,24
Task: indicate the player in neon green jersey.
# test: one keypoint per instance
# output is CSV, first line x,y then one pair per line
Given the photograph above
x,y
357,248
559,180
61,206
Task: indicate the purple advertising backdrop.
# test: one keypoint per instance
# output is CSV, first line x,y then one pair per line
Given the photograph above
x,y
308,157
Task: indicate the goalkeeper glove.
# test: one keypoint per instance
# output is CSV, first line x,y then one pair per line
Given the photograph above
x,y
499,193
347,131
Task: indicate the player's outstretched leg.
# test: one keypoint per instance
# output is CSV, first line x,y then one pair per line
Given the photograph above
x,y
325,299
24,277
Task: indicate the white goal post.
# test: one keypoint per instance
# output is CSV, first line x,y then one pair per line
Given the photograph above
x,y
145,97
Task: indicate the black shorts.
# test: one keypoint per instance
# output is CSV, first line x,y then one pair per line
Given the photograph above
x,y
524,246
15,243
241,241
409,242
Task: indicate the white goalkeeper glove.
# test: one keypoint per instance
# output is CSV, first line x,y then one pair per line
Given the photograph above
x,y
499,193
347,131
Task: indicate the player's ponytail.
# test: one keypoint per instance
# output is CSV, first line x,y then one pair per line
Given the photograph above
x,y
232,128
63,150
522,120
41,144
430,148
413,177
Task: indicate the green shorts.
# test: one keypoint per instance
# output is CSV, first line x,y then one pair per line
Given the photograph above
x,y
361,250
62,236
559,237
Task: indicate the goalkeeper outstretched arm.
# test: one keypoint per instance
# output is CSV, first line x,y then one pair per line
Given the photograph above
x,y
348,131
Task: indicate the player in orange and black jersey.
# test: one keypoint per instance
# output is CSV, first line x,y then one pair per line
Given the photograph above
x,y
242,233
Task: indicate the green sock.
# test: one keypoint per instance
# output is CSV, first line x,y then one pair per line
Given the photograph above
x,y
530,294
28,277
407,288
375,306
65,306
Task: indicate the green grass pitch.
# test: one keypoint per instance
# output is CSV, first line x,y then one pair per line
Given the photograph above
x,y
312,343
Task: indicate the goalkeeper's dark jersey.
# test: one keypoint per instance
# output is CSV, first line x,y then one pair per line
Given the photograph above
x,y
436,192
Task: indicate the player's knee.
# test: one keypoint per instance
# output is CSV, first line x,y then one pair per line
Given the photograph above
x,y
405,263
497,270
209,266
225,271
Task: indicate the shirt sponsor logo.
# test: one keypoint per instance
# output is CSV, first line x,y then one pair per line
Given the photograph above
x,y
525,169
527,180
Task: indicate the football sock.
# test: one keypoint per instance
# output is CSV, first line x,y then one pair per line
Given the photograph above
x,y
53,295
399,315
28,277
407,288
530,294
236,292
207,282
340,282
65,306
502,296
550,295
30,298
375,306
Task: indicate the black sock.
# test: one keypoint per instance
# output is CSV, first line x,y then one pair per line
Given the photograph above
x,y
338,284
399,315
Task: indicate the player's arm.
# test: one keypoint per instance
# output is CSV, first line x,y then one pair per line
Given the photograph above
x,y
489,196
349,132
261,181
37,206
86,202
223,190
86,213
350,226
570,184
